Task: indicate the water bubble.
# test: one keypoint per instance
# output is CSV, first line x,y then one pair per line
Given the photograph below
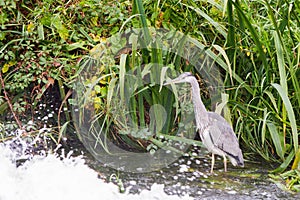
x,y
194,154
191,178
132,182
183,168
231,192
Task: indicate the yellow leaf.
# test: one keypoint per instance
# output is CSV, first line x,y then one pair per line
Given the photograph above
x,y
102,68
98,50
30,27
94,78
93,93
5,68
97,100
97,106
11,63
97,103
103,81
103,40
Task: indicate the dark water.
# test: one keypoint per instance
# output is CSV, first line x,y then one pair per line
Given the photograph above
x,y
190,175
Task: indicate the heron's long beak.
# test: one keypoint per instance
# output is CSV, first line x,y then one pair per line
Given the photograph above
x,y
171,81
168,82
183,78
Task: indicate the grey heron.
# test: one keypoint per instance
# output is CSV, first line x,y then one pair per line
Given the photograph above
x,y
215,132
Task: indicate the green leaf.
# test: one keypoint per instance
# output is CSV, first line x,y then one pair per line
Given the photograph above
x,y
76,45
141,11
277,139
221,50
285,164
280,62
272,99
218,26
61,29
250,25
2,36
162,76
111,91
46,20
219,61
97,88
263,130
122,74
62,130
40,30
290,112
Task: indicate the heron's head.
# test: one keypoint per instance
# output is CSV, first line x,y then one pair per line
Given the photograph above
x,y
185,77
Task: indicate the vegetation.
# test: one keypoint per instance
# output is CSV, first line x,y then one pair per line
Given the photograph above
x,y
41,43
255,46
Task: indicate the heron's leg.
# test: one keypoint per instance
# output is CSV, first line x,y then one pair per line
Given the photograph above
x,y
225,163
212,163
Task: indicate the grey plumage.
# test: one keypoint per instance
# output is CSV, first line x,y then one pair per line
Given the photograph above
x,y
215,132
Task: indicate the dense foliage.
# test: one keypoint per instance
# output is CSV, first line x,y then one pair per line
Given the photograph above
x,y
43,43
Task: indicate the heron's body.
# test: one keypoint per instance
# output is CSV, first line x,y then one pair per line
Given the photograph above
x,y
220,139
215,132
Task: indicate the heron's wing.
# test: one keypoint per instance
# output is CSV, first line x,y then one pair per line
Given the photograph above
x,y
223,136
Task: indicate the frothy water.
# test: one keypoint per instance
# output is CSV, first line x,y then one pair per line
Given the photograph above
x,y
64,177
28,172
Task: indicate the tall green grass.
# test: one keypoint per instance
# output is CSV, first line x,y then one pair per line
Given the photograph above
x,y
256,49
136,111
133,111
268,62
260,52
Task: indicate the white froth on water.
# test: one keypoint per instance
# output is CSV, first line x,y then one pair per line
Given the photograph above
x,y
67,178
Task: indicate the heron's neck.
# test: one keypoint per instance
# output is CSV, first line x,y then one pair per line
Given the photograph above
x,y
200,111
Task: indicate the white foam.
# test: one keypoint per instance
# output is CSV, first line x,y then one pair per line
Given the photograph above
x,y
68,178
